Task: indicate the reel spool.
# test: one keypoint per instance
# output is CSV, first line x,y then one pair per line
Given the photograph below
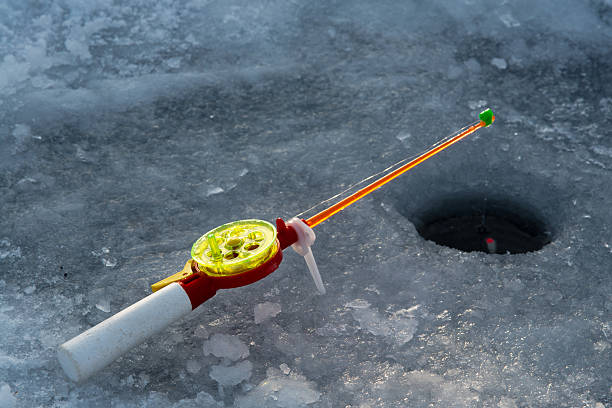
x,y
235,247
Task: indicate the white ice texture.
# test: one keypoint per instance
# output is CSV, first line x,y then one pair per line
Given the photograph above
x,y
130,128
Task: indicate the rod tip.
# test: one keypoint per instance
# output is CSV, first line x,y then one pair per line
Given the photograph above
x,y
487,117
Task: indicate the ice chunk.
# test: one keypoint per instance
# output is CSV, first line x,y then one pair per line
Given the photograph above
x,y
265,311
226,346
601,346
499,63
29,290
403,136
232,375
83,156
400,327
508,20
474,105
454,71
21,133
109,261
201,332
285,369
506,402
602,150
100,298
7,399
213,191
103,305
174,62
193,367
8,251
11,73
391,385
515,285
144,379
473,66
280,391
605,104
202,399
105,257
8,361
100,252
370,320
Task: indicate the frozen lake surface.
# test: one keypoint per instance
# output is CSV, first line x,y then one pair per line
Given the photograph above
x,y
128,129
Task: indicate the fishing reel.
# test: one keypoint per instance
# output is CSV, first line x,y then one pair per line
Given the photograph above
x,y
240,253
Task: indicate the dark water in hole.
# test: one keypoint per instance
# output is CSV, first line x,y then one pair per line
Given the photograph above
x,y
468,233
494,228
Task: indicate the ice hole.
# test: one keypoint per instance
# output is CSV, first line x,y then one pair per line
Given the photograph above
x,y
481,224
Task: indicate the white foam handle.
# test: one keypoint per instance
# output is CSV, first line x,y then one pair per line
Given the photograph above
x,y
99,346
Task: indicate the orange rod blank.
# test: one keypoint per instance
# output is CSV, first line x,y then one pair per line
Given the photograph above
x,y
328,212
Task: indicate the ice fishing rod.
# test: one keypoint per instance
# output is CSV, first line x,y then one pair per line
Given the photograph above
x,y
232,255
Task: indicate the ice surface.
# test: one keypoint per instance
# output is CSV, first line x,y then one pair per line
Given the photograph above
x,y
265,311
128,129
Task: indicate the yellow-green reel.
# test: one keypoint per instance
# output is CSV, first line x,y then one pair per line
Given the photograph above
x,y
235,247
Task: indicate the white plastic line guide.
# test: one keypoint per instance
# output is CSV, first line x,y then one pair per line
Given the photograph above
x,y
306,238
99,346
